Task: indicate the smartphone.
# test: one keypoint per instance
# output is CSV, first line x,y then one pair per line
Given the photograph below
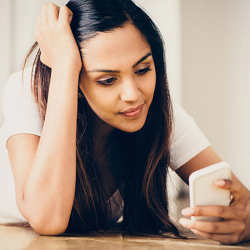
x,y
203,192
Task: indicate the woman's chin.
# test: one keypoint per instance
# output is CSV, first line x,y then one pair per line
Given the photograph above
x,y
131,128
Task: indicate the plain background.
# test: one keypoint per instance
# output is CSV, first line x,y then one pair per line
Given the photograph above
x,y
208,58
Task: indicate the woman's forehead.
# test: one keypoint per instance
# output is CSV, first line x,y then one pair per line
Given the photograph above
x,y
117,48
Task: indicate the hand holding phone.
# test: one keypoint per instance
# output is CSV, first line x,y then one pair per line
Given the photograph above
x,y
203,191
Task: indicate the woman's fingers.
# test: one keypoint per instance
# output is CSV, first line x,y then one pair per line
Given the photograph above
x,y
65,15
216,211
49,13
234,227
221,227
43,15
55,38
236,188
222,238
233,185
52,12
48,16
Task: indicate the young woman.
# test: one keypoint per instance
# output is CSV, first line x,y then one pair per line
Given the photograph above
x,y
93,137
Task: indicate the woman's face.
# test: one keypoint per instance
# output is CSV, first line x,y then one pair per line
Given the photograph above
x,y
119,77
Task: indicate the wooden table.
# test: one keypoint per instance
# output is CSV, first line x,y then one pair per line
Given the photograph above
x,y
18,237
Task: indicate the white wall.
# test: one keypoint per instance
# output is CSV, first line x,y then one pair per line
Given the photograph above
x,y
216,75
5,41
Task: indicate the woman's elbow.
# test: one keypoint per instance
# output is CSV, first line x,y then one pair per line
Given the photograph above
x,y
48,227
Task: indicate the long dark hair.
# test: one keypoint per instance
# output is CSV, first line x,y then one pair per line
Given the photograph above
x,y
145,153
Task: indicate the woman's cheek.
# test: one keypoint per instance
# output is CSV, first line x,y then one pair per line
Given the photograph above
x,y
150,88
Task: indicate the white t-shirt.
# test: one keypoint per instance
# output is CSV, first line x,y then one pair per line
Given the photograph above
x,y
20,115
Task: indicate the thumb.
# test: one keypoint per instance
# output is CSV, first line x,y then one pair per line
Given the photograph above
x,y
65,14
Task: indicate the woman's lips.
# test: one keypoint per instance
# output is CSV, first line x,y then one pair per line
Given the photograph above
x,y
133,112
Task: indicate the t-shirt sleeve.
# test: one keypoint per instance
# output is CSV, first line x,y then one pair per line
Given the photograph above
x,y
19,110
187,139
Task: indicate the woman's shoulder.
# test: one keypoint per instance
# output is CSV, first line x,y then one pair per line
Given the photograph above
x,y
19,108
17,94
18,83
187,139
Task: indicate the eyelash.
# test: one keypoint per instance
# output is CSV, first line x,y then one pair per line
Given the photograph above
x,y
109,81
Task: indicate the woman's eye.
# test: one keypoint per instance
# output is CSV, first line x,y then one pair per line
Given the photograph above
x,y
108,81
143,71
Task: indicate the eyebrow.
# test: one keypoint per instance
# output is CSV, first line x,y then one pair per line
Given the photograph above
x,y
117,71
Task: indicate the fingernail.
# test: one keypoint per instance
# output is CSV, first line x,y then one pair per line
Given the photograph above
x,y
185,222
187,211
220,183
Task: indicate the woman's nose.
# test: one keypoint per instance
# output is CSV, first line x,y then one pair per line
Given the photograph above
x,y
130,91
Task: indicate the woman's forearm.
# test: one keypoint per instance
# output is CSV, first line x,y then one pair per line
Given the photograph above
x,y
49,189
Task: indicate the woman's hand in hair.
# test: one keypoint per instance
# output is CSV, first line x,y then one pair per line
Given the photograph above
x,y
235,224
55,39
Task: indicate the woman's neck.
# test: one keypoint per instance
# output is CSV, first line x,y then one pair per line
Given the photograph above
x,y
101,132
101,144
